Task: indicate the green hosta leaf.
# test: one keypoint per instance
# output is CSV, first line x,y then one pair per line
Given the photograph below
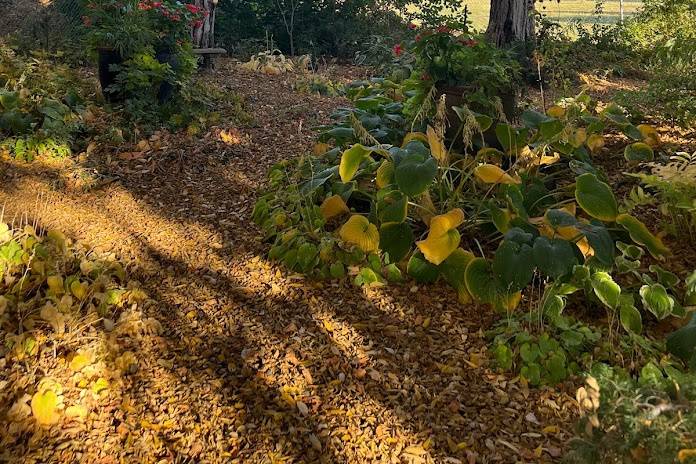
x,y
318,180
350,161
631,319
414,174
666,278
340,134
532,119
503,356
641,235
631,131
392,206
421,270
596,198
608,291
367,276
393,273
601,242
513,264
551,128
656,300
337,270
639,151
630,251
512,140
395,239
453,269
8,100
531,372
307,255
529,352
554,257
682,343
480,281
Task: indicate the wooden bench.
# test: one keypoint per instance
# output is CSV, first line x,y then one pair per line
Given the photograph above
x,y
208,54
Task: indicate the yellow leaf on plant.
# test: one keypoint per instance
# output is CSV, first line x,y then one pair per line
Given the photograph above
x,y
333,206
650,135
437,146
441,224
44,406
55,284
685,454
556,111
79,289
385,174
579,137
411,136
436,249
595,142
320,148
360,232
492,174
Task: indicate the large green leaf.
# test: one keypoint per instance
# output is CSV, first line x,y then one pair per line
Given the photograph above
x,y
453,269
639,151
656,300
601,242
596,198
608,291
8,100
682,343
641,235
350,161
480,281
392,206
421,270
631,319
554,257
513,265
396,239
415,173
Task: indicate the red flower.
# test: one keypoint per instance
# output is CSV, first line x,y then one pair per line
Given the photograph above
x,y
175,17
418,37
144,6
412,26
398,49
443,29
156,4
192,8
87,21
197,23
470,43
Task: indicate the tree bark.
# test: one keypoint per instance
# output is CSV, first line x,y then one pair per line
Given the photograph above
x,y
204,35
511,21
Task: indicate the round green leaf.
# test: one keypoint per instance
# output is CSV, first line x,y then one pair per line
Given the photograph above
x,y
395,239
554,257
414,174
639,151
453,269
392,206
631,319
513,264
596,198
421,270
480,281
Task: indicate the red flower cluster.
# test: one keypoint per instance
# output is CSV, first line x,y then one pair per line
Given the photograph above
x,y
196,24
193,8
145,6
398,49
412,26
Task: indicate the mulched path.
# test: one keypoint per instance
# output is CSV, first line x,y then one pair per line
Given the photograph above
x,y
254,364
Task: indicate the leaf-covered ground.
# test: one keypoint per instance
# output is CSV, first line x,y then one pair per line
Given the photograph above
x,y
252,364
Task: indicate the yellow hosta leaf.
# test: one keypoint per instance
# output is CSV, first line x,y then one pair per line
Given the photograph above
x,y
440,225
360,232
55,284
437,146
79,362
436,248
44,406
79,289
385,174
556,111
320,148
595,142
427,207
333,206
492,174
579,137
685,454
650,135
411,136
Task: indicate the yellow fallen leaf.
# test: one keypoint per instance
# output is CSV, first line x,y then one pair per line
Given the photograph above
x,y
79,362
50,314
100,386
44,407
685,454
492,174
550,429
76,411
320,148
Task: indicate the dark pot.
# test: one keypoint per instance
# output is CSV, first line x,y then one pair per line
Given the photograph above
x,y
165,54
107,76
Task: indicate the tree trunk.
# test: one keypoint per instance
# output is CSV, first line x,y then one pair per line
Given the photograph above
x,y
203,36
511,21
